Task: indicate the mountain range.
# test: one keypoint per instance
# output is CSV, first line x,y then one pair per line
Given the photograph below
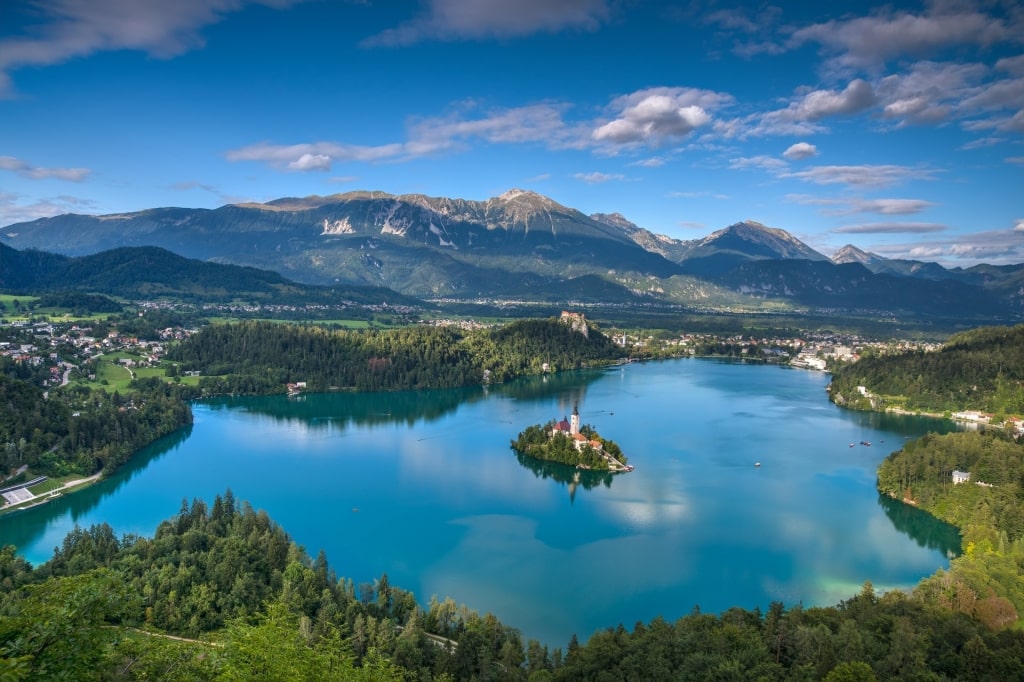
x,y
523,245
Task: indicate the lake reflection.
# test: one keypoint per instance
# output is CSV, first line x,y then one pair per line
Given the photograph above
x,y
425,487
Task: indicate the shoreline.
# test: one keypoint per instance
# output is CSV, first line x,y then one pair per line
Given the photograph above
x,y
43,498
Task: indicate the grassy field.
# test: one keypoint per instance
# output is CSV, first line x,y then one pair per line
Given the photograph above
x,y
118,377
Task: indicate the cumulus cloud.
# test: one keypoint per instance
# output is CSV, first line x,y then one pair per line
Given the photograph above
x,y
861,176
308,162
78,28
596,177
803,115
1018,225
27,170
800,150
870,42
654,115
891,228
856,97
478,19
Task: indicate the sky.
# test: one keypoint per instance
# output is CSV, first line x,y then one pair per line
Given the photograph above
x,y
898,128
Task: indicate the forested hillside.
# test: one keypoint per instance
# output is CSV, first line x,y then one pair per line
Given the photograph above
x,y
988,508
253,605
79,430
261,357
982,369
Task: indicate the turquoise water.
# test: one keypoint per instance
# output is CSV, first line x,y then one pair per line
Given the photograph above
x,y
423,486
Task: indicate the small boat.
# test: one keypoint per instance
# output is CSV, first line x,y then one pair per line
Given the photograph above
x,y
757,464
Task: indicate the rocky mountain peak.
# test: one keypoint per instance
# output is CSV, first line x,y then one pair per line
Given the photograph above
x,y
851,254
770,242
615,220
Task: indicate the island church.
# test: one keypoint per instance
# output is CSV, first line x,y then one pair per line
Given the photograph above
x,y
572,430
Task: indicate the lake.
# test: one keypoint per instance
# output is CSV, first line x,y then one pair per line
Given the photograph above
x,y
424,486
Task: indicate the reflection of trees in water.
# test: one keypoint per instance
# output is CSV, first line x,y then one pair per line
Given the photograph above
x,y
921,526
567,475
338,410
21,528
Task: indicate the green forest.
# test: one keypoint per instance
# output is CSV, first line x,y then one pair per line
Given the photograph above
x,y
220,592
988,508
981,369
262,357
82,431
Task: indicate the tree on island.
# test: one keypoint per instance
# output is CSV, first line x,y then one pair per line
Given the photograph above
x,y
547,443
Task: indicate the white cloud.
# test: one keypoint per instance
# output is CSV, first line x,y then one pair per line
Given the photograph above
x,y
479,19
802,116
891,206
769,163
800,150
311,162
1013,65
531,123
871,42
982,142
856,97
998,247
78,28
14,209
27,170
654,115
850,206
1014,159
596,177
919,253
290,157
891,228
1018,225
861,176
540,123
653,162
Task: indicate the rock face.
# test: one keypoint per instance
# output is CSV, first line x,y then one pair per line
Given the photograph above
x,y
576,321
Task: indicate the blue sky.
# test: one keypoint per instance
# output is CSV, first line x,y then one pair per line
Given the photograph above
x,y
898,128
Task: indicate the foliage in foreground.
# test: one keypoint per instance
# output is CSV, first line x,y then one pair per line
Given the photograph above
x,y
252,605
989,510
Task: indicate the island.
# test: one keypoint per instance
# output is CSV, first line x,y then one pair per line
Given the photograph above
x,y
568,442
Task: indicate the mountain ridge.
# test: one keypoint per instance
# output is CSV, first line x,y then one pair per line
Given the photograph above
x,y
519,242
